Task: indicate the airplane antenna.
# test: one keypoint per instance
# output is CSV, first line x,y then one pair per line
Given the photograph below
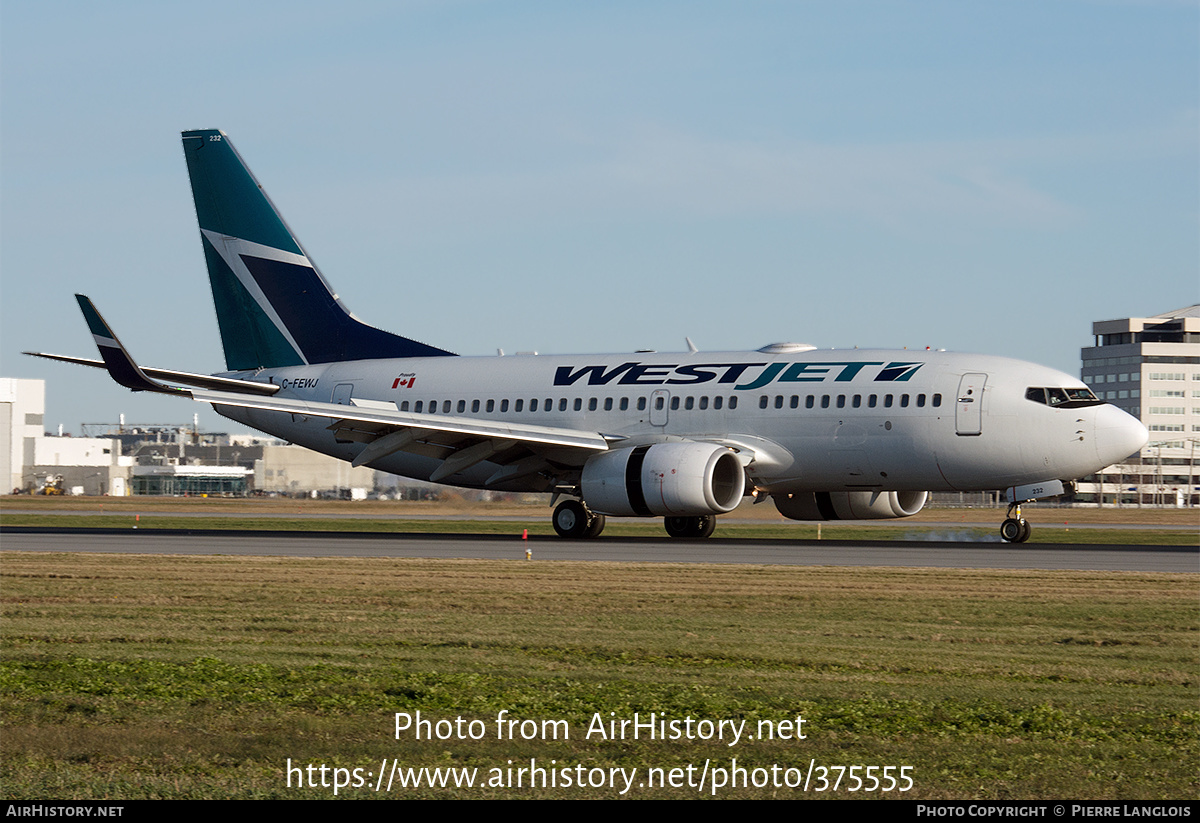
x,y
691,346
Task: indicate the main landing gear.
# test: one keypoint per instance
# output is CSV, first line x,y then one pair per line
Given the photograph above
x,y
690,527
574,520
1015,529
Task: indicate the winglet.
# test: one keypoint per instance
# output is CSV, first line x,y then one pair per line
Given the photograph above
x,y
118,362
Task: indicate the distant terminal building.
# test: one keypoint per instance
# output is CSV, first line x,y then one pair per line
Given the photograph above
x,y
1149,367
33,460
159,458
22,412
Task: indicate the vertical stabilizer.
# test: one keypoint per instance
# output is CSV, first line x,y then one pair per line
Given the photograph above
x,y
273,306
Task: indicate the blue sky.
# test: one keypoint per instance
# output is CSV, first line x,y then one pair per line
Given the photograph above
x,y
570,177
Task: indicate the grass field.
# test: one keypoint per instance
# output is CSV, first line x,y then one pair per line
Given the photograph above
x,y
127,677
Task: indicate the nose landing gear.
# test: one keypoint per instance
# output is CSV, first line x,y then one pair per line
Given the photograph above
x,y
1015,529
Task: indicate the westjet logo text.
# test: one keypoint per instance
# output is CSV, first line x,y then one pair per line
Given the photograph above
x,y
745,376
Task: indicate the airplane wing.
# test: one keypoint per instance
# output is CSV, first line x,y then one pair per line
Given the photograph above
x,y
204,381
129,374
460,442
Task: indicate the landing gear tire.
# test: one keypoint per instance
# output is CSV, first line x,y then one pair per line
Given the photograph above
x,y
595,526
1013,530
690,527
1010,530
571,520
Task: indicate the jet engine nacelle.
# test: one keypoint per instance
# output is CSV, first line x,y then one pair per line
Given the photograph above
x,y
849,505
685,479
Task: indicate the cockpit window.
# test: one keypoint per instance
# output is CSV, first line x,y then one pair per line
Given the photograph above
x,y
1062,398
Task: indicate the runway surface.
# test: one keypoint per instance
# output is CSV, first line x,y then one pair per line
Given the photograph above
x,y
930,554
916,523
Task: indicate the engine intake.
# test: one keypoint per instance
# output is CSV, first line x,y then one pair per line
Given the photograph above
x,y
849,505
664,479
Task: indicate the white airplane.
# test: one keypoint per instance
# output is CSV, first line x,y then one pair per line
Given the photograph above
x,y
827,435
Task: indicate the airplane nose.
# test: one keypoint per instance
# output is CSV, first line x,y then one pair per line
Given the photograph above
x,y
1118,435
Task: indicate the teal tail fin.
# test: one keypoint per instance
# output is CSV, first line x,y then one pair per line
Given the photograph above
x,y
273,306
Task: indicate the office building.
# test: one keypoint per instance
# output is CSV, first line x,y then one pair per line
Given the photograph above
x,y
1149,367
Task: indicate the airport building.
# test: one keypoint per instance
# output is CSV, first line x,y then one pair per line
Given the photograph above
x,y
22,415
1149,367
35,461
159,459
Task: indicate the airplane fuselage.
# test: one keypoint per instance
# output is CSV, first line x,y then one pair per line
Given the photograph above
x,y
815,420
